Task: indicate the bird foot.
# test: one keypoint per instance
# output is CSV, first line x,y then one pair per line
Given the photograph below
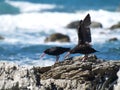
x,y
85,58
56,61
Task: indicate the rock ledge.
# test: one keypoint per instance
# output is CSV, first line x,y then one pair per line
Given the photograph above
x,y
93,74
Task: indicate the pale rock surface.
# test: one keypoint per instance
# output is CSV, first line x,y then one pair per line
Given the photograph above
x,y
71,74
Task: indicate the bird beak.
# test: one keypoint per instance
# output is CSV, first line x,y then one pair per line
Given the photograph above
x,y
42,55
67,55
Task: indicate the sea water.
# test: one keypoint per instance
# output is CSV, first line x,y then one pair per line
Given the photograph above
x,y
26,23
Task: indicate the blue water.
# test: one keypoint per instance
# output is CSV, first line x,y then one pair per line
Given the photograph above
x,y
26,23
72,5
67,5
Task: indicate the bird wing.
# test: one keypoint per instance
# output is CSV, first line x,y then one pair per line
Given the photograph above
x,y
87,21
84,34
53,49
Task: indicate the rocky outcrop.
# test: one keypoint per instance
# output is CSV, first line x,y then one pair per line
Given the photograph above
x,y
74,25
116,26
70,74
57,37
14,77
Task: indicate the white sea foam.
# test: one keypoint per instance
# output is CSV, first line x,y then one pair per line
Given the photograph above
x,y
30,63
15,27
30,7
107,18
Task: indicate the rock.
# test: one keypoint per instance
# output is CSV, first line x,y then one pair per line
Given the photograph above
x,y
90,74
116,26
14,77
1,37
93,74
74,25
118,9
117,85
102,33
95,24
113,39
57,37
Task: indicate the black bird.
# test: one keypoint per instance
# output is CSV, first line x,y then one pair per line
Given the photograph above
x,y
84,39
55,51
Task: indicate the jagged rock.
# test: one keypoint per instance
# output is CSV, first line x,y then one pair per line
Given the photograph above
x,y
57,37
92,74
113,39
74,25
14,77
116,26
117,85
85,74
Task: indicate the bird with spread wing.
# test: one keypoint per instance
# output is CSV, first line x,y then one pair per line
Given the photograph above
x,y
84,39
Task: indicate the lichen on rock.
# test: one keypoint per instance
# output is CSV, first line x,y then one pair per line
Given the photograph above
x,y
92,74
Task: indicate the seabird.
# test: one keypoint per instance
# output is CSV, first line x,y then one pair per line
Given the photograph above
x,y
55,51
84,39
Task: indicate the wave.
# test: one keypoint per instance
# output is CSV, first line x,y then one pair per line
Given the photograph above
x,y
6,8
73,5
54,20
26,7
37,26
30,63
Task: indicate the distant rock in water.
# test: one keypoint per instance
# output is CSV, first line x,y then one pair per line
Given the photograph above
x,y
113,39
116,26
118,9
95,24
1,38
74,74
75,24
57,37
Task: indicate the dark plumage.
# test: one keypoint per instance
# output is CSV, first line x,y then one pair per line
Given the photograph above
x,y
55,51
84,38
83,49
83,31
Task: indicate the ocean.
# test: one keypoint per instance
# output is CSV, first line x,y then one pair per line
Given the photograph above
x,y
26,23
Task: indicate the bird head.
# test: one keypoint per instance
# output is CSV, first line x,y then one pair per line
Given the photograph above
x,y
43,54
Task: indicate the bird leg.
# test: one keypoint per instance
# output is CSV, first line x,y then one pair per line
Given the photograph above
x,y
42,55
57,58
67,55
85,57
